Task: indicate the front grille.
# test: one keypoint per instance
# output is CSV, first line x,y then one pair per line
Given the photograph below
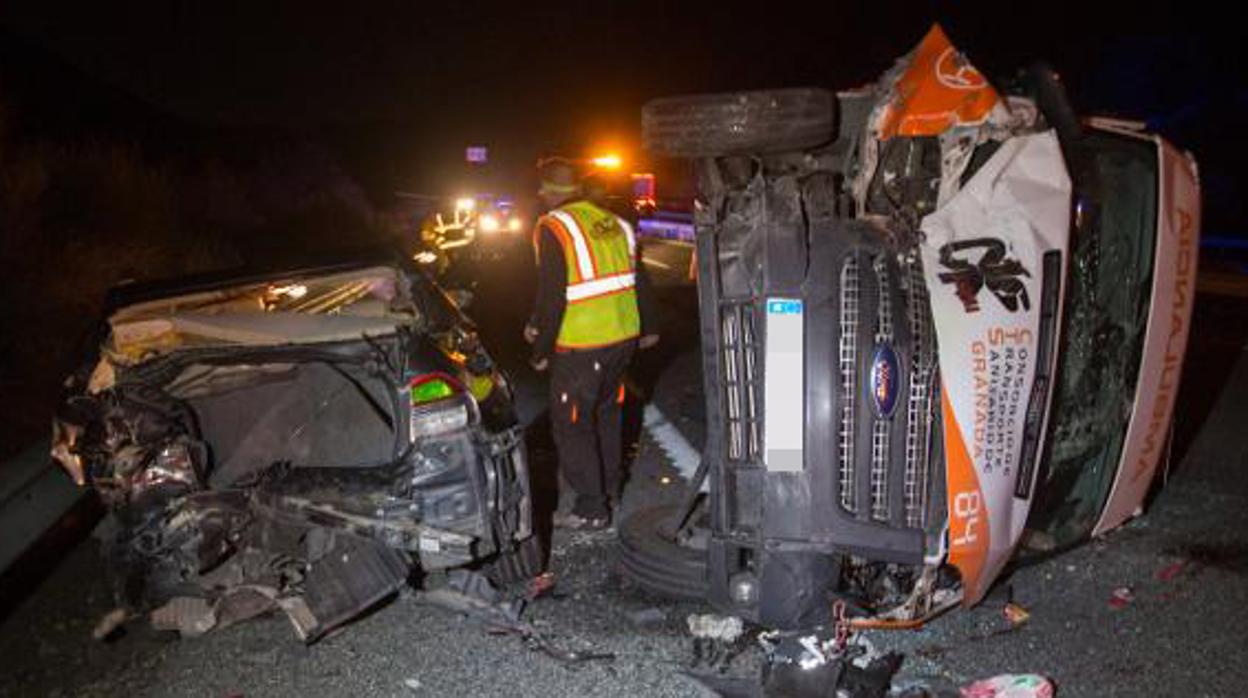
x,y
884,450
849,372
880,312
919,408
741,380
881,428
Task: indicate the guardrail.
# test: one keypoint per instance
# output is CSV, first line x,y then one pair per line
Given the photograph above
x,y
34,495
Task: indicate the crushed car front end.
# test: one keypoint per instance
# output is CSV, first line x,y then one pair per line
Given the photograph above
x,y
314,437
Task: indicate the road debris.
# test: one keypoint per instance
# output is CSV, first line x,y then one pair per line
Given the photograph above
x,y
712,627
412,684
567,657
1010,686
540,586
244,603
1121,597
109,623
190,616
806,663
1016,614
646,617
1172,571
715,639
471,594
811,663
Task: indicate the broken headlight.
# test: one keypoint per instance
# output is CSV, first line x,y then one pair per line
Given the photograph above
x,y
173,465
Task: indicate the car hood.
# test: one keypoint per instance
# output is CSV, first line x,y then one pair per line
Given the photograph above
x,y
284,309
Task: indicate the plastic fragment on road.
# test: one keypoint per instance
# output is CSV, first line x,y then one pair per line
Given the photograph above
x,y
1015,614
244,603
189,615
412,684
1171,571
1121,597
1010,686
109,623
825,662
540,585
646,616
712,627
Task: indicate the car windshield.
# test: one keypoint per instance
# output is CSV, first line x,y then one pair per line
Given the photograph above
x,y
1110,277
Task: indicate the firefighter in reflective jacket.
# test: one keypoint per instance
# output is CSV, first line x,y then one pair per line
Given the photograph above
x,y
586,324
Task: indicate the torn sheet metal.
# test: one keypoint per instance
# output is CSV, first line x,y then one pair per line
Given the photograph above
x,y
938,91
934,94
994,261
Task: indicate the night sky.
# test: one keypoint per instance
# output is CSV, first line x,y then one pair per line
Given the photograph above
x,y
540,77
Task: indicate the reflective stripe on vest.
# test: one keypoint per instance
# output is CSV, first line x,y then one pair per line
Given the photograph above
x,y
632,237
584,258
601,287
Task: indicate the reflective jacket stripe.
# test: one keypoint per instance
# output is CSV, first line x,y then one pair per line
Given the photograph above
x,y
584,259
632,237
565,242
601,287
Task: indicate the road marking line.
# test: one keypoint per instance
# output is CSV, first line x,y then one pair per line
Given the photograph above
x,y
684,456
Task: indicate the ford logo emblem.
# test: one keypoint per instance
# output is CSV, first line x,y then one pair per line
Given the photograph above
x,y
885,379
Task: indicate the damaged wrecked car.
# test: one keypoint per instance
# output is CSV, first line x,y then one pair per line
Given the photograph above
x,y
308,440
943,322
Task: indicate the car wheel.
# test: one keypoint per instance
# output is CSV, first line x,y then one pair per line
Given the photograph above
x,y
518,565
654,560
730,123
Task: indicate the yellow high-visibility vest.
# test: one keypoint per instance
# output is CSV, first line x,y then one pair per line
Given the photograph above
x,y
599,249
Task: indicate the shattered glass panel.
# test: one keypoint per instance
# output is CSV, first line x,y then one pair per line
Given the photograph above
x,y
1105,319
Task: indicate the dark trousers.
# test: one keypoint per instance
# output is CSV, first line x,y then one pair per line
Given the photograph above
x,y
586,397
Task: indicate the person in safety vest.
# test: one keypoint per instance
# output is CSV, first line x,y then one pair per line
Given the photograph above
x,y
586,323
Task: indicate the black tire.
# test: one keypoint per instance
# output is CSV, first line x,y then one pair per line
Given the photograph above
x,y
734,123
518,565
654,561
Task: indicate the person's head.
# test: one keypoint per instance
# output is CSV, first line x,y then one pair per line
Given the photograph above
x,y
594,188
558,182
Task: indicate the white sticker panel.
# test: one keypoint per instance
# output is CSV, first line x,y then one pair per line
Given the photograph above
x,y
784,390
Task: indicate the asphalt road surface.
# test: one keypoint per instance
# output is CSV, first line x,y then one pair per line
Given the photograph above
x,y
1179,633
